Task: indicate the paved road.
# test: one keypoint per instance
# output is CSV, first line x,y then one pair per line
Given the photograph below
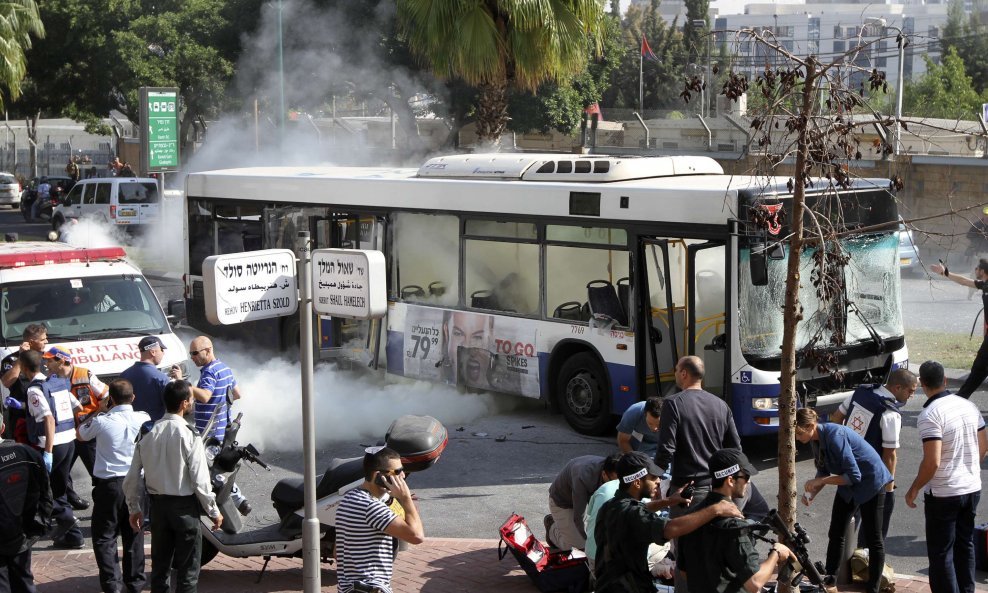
x,y
937,304
504,451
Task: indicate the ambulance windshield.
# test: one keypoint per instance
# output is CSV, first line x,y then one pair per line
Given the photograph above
x,y
87,308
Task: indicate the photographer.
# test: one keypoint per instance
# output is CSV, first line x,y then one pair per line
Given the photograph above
x,y
721,556
366,527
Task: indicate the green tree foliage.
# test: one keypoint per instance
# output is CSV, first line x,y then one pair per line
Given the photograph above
x,y
559,105
497,45
19,20
662,80
968,36
945,91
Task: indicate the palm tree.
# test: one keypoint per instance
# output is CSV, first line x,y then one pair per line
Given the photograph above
x,y
19,19
496,45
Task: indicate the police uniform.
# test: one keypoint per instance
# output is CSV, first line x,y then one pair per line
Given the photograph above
x,y
114,434
16,427
720,556
24,482
51,397
177,479
873,412
623,532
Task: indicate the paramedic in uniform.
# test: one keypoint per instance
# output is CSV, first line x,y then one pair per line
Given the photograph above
x,y
177,478
35,337
51,429
91,394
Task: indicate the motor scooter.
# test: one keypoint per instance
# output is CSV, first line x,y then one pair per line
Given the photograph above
x,y
420,440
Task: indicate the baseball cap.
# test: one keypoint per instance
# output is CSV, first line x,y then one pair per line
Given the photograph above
x,y
728,462
149,342
56,352
636,465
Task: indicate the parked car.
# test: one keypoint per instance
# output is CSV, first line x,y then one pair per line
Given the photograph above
x,y
908,254
131,202
60,186
10,190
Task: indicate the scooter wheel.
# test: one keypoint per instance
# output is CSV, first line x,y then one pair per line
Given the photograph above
x,y
208,552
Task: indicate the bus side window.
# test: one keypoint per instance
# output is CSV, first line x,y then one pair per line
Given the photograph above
x,y
426,264
570,269
509,270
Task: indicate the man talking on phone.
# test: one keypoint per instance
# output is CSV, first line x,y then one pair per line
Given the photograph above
x,y
367,529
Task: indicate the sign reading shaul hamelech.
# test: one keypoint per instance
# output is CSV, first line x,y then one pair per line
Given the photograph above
x,y
159,140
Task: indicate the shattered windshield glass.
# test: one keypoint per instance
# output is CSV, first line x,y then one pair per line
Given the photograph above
x,y
871,280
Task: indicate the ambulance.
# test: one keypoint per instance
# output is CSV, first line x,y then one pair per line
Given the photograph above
x,y
93,302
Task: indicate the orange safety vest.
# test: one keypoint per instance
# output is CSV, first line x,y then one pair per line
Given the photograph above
x,y
83,392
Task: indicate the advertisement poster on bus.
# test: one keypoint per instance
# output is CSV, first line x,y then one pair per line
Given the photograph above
x,y
474,350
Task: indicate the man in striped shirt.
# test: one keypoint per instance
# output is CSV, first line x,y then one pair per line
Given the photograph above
x,y
366,526
217,388
954,444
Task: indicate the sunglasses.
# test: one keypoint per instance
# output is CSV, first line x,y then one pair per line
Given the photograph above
x,y
394,472
196,352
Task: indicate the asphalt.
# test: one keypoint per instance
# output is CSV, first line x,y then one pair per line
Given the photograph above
x,y
437,566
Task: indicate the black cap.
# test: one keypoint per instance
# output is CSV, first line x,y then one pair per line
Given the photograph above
x,y
149,342
728,462
636,465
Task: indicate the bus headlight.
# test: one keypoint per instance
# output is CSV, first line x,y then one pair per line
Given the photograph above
x,y
765,403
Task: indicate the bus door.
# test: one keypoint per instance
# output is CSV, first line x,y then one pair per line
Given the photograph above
x,y
706,321
350,339
661,305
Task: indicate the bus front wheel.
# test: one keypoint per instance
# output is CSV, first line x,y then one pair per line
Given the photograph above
x,y
583,394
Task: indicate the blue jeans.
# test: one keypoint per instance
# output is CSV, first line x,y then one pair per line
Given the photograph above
x,y
950,541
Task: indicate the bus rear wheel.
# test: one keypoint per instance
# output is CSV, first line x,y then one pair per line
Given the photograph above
x,y
583,394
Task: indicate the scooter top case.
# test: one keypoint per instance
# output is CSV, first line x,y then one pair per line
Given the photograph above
x,y
419,440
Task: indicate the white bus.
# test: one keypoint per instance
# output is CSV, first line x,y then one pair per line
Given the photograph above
x,y
577,279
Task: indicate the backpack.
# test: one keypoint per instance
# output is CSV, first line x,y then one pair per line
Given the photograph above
x,y
550,571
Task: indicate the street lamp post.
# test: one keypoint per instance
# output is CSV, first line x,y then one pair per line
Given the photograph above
x,y
704,108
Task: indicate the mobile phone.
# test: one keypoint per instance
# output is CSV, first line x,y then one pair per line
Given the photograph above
x,y
383,482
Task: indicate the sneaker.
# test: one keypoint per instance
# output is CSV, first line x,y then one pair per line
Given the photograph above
x,y
64,544
548,522
244,507
61,528
77,503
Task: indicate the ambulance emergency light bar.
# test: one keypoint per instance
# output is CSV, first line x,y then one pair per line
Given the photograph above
x,y
60,256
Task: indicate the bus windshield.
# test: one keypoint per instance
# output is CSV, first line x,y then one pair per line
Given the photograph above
x,y
871,289
76,309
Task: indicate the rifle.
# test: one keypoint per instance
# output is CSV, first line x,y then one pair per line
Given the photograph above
x,y
800,564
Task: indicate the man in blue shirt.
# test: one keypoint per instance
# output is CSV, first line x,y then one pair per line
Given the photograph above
x,y
215,392
847,461
638,429
148,382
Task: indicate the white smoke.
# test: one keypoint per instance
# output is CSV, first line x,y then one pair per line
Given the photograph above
x,y
349,405
92,232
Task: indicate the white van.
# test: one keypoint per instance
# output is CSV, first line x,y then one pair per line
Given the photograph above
x,y
94,303
117,200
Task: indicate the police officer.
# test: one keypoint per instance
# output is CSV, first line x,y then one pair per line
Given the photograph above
x,y
91,394
721,555
115,433
51,429
25,514
149,383
625,527
175,474
872,411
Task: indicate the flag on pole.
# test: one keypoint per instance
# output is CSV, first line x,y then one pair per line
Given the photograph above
x,y
647,52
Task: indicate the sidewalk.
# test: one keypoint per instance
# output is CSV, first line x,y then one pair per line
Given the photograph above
x,y
437,566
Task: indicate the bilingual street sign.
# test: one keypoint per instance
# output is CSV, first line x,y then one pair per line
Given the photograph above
x,y
159,129
349,283
249,286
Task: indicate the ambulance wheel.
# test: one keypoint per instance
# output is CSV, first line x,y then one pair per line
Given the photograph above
x,y
583,394
207,553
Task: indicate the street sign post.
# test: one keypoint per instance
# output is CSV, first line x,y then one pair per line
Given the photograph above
x,y
159,129
249,286
349,283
